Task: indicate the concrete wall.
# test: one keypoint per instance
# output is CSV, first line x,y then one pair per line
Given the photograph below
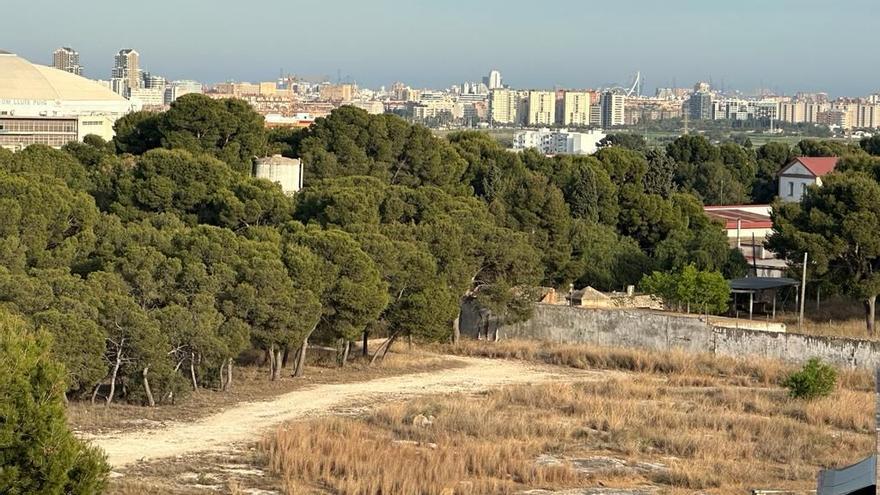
x,y
661,331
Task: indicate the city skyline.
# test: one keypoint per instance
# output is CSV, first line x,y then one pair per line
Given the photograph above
x,y
745,46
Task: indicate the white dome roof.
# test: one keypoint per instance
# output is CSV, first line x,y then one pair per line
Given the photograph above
x,y
22,80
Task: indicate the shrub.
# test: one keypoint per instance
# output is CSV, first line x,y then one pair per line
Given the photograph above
x,y
816,379
38,452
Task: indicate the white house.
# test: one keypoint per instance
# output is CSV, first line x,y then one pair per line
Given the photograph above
x,y
801,172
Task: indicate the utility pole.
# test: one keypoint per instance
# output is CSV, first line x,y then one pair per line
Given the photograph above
x,y
803,294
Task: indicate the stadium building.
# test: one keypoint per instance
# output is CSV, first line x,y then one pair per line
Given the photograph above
x,y
40,104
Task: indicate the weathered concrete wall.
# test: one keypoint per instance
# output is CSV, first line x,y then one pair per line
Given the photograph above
x,y
659,331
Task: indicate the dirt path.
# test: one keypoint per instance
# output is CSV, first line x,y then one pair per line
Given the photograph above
x,y
245,422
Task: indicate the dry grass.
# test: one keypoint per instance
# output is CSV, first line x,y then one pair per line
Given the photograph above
x,y
679,367
713,439
835,317
718,425
251,383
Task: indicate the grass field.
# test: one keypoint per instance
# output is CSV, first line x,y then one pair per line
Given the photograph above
x,y
674,422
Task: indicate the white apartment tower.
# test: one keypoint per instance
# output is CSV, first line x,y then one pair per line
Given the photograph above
x,y
67,59
126,74
576,108
542,108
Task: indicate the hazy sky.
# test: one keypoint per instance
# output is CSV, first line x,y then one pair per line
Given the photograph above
x,y
787,45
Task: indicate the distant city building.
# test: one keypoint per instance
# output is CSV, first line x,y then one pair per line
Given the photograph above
x,y
541,108
269,88
338,92
176,89
503,106
237,89
126,73
613,109
493,80
152,98
576,108
67,59
702,87
802,172
152,81
372,107
558,142
287,172
431,108
700,106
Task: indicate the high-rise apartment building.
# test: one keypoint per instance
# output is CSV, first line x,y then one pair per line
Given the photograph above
x,y
700,106
67,59
503,104
613,108
542,108
576,108
126,73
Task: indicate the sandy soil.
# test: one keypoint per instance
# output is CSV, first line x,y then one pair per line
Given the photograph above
x,y
246,422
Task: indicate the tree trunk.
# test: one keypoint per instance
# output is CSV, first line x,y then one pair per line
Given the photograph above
x,y
147,390
276,370
222,375
113,377
456,328
95,392
299,370
343,356
365,351
228,375
383,349
869,313
286,356
192,370
271,360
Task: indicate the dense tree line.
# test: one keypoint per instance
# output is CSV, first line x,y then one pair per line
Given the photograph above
x,y
154,260
837,225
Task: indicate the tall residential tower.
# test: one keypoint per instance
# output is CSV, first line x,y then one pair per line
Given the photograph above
x,y
126,74
67,59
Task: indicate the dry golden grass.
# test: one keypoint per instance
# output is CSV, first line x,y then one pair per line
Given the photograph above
x,y
681,368
718,441
718,426
835,317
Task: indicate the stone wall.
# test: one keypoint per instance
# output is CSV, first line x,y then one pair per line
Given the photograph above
x,y
663,331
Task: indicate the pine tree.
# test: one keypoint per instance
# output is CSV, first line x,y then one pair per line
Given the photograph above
x,y
38,453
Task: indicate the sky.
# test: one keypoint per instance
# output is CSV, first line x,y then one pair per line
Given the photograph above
x,y
782,45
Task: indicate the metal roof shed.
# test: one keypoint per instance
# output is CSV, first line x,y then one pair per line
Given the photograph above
x,y
752,285
860,478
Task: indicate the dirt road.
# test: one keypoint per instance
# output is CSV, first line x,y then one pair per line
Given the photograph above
x,y
246,422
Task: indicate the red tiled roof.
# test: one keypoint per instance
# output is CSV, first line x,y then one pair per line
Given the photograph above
x,y
729,216
817,165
